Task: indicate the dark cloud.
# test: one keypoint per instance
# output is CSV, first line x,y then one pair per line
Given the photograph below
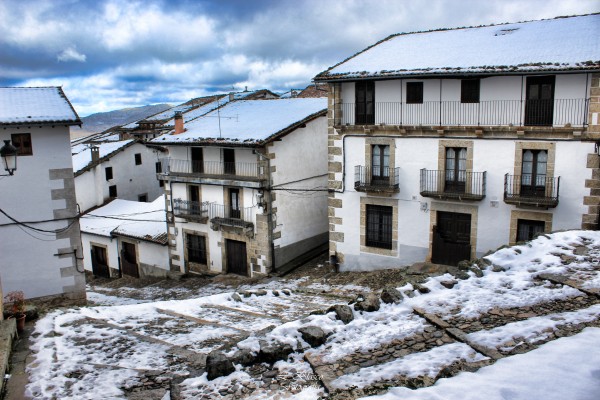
x,y
115,53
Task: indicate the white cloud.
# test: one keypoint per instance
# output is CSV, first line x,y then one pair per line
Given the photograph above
x,y
71,54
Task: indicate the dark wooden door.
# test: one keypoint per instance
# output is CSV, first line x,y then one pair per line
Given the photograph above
x,y
229,161
99,262
539,106
365,102
451,238
197,160
236,257
129,264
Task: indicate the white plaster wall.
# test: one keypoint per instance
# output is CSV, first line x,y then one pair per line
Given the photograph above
x,y
153,254
131,180
389,93
301,163
112,251
27,259
493,225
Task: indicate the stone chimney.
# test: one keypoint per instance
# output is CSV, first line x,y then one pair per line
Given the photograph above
x,y
178,123
231,96
95,154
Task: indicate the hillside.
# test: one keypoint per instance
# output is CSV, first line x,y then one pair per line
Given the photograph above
x,y
99,122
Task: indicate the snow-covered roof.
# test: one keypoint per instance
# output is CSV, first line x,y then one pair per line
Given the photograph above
x,y
82,155
19,105
565,43
144,221
247,120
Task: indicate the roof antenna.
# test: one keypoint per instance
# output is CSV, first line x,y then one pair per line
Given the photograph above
x,y
219,118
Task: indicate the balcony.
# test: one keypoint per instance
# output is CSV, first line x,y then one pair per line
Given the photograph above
x,y
213,171
537,192
365,181
191,210
557,112
469,186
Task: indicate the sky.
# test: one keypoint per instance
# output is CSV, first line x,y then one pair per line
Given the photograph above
x,y
111,54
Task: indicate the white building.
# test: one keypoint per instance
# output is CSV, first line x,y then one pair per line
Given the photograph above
x,y
126,238
107,169
246,186
39,230
446,144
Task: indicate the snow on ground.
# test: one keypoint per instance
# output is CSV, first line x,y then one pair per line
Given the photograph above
x,y
69,345
566,368
428,363
531,330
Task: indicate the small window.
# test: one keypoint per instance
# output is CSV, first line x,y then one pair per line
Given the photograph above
x,y
158,167
143,198
109,173
112,191
138,159
469,91
414,92
196,249
379,226
529,229
22,141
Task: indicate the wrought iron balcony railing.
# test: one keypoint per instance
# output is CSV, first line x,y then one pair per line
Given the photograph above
x,y
215,212
172,166
557,112
190,209
529,190
462,185
385,180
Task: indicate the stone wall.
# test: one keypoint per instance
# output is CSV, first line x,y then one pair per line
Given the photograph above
x,y
335,157
591,219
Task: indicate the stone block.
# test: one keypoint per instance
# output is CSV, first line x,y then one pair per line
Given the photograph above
x,y
336,236
335,166
335,203
591,200
593,161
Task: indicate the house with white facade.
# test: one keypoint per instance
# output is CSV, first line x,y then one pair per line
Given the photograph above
x,y
446,144
106,168
39,226
246,186
126,238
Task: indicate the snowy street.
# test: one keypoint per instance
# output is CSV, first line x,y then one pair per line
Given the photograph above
x,y
477,333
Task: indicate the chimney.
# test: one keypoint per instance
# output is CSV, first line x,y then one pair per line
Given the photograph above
x,y
95,154
231,96
178,123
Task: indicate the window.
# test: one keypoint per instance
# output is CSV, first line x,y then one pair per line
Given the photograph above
x,y
379,226
365,102
529,229
229,161
138,159
380,162
533,172
158,167
414,92
234,203
143,198
112,191
196,249
469,91
22,141
109,173
456,169
197,160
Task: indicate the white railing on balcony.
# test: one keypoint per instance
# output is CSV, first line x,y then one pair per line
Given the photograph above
x,y
557,112
224,215
173,166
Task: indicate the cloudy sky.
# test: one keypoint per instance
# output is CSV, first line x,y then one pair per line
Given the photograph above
x,y
109,54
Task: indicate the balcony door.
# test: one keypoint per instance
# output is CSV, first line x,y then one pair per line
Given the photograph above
x,y
539,106
365,102
197,160
533,175
380,165
194,199
229,161
234,203
456,170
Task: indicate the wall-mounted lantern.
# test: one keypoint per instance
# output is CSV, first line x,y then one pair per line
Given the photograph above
x,y
9,157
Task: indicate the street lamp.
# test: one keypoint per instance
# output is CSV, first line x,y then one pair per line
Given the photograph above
x,y
9,157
